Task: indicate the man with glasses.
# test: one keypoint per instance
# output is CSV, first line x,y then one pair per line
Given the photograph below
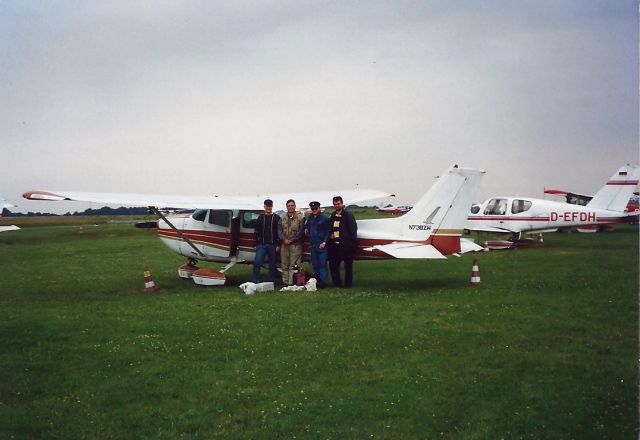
x,y
290,230
318,229
267,243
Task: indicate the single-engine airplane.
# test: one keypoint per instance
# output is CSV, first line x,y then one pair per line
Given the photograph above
x,y
221,228
515,215
394,209
4,204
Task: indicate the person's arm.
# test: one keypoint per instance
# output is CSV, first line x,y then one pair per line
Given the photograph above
x,y
276,236
326,234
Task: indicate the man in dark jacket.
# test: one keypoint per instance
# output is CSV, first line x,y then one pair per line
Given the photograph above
x,y
318,229
266,241
343,244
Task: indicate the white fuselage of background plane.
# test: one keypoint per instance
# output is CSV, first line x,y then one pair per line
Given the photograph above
x,y
525,214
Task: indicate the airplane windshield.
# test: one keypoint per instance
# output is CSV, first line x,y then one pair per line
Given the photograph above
x,y
199,215
520,206
475,209
496,207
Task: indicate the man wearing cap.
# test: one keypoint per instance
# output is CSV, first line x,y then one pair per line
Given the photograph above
x,y
343,244
266,241
290,230
317,228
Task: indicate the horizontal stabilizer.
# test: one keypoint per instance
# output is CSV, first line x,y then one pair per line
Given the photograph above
x,y
408,250
467,245
8,228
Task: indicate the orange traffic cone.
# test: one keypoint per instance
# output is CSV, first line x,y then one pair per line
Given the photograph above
x,y
475,274
149,285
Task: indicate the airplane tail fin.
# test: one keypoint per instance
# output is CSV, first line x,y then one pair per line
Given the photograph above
x,y
442,212
615,194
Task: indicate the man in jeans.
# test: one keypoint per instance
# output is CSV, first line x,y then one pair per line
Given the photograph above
x,y
266,241
318,229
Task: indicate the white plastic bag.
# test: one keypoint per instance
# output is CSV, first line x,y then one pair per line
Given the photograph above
x,y
311,285
248,288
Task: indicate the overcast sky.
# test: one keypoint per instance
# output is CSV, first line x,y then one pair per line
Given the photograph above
x,y
190,97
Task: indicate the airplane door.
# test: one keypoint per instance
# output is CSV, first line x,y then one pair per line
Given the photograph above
x,y
192,227
248,219
216,237
522,209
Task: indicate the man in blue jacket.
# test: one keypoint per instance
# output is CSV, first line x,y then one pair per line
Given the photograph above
x,y
266,241
318,229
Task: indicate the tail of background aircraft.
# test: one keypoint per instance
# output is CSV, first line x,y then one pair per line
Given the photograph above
x,y
432,228
615,194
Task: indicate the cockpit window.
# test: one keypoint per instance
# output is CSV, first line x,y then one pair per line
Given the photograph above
x,y
518,206
249,219
199,214
475,209
496,207
220,218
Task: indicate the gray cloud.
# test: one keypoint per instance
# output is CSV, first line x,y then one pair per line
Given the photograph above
x,y
203,97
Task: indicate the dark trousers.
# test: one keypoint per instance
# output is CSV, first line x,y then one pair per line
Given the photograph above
x,y
338,254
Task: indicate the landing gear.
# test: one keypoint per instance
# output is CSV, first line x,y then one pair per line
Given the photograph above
x,y
186,270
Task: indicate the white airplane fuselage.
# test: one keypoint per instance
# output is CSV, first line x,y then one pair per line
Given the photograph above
x,y
525,214
222,236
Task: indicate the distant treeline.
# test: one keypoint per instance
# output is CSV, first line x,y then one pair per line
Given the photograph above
x,y
87,212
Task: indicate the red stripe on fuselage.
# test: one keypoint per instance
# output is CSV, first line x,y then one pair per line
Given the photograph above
x,y
528,219
446,244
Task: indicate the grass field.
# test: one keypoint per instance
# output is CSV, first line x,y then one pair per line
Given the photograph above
x,y
546,347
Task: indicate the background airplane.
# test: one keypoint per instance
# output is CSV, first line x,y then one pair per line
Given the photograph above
x,y
515,215
394,209
3,205
221,228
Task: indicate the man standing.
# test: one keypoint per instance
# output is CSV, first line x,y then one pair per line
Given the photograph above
x,y
342,246
266,241
318,229
290,230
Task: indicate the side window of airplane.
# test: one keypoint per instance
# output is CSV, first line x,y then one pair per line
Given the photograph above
x,y
199,215
220,218
249,219
496,207
475,209
520,206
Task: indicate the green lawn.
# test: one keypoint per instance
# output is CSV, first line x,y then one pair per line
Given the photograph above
x,y
546,347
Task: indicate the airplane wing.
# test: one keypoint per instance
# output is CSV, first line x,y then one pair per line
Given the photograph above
x,y
8,228
488,229
207,202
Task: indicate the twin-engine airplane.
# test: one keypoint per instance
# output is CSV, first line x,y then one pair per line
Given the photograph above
x,y
516,215
221,228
